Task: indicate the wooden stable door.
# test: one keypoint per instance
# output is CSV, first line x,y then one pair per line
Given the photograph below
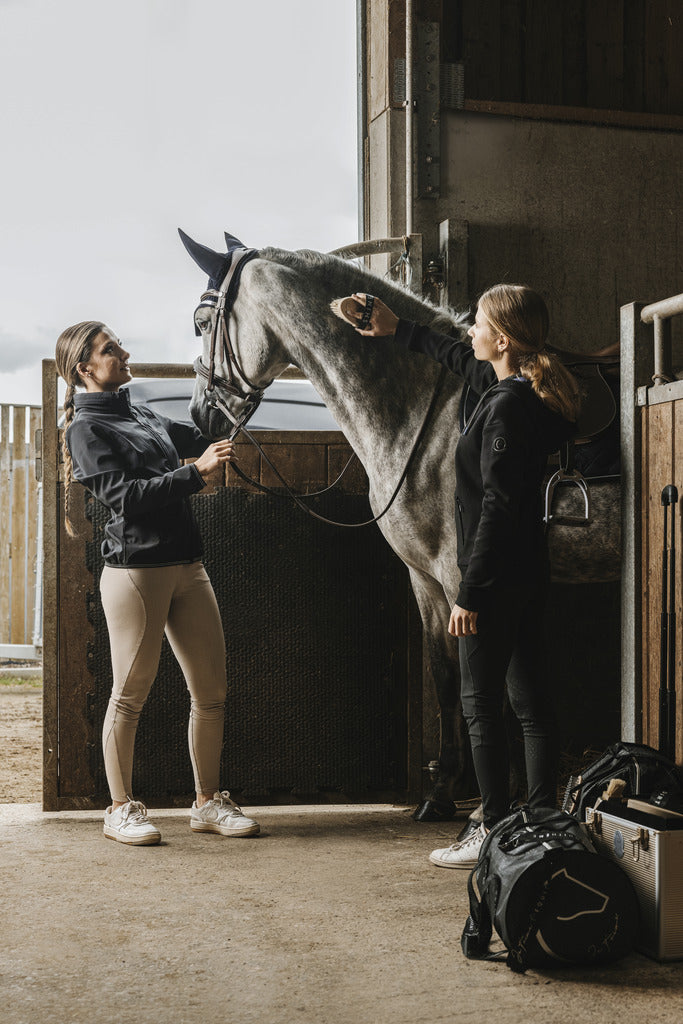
x,y
662,464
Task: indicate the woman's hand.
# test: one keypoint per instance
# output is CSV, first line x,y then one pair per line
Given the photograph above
x,y
462,622
216,455
382,321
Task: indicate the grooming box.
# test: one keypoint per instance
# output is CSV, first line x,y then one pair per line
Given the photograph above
x,y
646,841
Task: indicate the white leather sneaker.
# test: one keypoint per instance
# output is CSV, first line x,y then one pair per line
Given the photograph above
x,y
460,855
130,824
222,815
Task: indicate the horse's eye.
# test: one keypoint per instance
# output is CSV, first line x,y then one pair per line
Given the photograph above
x,y
202,324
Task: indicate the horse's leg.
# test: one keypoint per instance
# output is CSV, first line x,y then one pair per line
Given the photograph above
x,y
455,778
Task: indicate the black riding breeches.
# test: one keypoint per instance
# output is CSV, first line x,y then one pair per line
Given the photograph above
x,y
509,647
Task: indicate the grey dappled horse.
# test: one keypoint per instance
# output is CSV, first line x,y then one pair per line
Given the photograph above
x,y
379,395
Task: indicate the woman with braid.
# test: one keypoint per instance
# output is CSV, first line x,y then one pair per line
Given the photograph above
x,y
153,579
526,406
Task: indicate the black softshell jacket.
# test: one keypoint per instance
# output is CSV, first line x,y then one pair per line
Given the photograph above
x,y
500,462
129,458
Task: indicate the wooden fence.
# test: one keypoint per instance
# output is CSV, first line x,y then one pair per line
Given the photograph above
x,y
19,531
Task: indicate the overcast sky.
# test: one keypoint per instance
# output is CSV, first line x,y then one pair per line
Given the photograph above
x,y
121,121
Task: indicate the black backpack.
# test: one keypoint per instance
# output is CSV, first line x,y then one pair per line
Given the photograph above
x,y
552,899
645,771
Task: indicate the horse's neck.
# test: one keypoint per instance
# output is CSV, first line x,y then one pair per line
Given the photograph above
x,y
374,393
378,393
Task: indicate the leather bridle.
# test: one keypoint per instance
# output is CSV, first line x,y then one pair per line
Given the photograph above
x,y
221,301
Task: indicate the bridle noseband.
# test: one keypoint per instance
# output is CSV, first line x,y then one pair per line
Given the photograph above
x,y
221,302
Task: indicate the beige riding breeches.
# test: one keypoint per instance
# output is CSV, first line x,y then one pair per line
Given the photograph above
x,y
139,606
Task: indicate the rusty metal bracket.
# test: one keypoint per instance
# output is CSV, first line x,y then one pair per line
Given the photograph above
x,y
427,93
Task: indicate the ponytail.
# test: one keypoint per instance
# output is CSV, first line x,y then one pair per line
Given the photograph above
x,y
552,382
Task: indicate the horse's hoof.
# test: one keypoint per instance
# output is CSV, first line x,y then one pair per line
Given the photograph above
x,y
435,810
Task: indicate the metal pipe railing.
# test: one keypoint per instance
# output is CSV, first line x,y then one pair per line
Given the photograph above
x,y
409,263
659,314
371,247
409,117
361,108
664,309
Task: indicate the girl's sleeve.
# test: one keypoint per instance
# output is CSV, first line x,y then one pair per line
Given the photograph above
x,y
456,356
99,467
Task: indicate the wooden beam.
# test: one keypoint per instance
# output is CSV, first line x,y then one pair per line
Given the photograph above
x,y
636,366
50,460
18,624
5,541
580,115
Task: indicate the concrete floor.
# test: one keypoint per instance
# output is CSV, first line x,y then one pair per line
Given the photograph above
x,y
332,916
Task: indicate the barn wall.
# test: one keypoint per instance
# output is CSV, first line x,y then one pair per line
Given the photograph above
x,y
621,55
587,214
563,161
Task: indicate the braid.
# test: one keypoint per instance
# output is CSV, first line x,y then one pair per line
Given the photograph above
x,y
74,346
66,455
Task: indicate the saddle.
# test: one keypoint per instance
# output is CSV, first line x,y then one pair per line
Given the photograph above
x,y
598,402
596,374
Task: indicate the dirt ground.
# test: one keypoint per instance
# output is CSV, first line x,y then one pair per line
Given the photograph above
x,y
21,709
331,916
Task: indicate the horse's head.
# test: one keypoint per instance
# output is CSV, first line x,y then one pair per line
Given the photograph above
x,y
237,361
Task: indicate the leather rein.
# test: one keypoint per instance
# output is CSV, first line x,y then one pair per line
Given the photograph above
x,y
222,301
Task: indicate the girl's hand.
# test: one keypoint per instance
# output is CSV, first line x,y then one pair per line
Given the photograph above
x,y
216,455
462,622
382,321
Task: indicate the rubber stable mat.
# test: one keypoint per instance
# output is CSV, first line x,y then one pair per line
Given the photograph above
x,y
316,625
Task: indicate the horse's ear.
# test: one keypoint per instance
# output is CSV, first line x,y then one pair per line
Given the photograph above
x,y
212,263
232,242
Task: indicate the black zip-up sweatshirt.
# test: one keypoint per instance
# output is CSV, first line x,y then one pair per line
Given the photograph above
x,y
500,462
129,458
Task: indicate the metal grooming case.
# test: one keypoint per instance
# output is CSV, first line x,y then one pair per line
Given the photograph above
x,y
646,841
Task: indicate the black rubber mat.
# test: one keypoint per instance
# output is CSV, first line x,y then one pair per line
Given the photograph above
x,y
316,625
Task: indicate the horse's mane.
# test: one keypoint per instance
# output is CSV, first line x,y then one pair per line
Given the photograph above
x,y
349,277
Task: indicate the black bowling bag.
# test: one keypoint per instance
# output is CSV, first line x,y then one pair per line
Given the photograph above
x,y
552,899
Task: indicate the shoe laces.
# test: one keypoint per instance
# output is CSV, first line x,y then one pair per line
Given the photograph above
x,y
476,837
227,804
136,812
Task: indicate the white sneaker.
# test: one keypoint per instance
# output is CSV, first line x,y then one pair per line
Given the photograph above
x,y
460,855
130,824
222,815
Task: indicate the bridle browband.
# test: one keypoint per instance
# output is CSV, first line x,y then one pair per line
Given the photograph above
x,y
222,301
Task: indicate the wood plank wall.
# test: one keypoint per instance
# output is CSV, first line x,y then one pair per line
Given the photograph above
x,y
18,522
662,464
615,55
